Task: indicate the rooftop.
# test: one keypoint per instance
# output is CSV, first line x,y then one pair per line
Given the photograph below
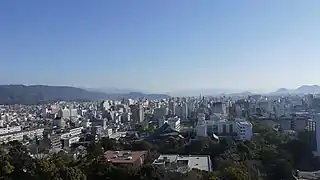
x,y
22,131
244,123
123,157
164,130
201,162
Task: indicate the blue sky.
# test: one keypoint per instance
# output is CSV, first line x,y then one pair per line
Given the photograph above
x,y
162,45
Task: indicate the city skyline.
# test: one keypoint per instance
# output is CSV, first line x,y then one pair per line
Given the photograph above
x,y
162,46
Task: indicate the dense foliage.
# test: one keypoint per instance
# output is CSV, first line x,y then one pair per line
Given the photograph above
x,y
270,155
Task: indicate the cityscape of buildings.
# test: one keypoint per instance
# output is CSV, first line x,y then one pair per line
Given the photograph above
x,y
58,126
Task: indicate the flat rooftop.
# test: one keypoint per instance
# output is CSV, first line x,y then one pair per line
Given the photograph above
x,y
22,131
244,122
123,157
201,162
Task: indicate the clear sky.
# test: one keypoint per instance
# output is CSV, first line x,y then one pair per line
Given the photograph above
x,y
161,46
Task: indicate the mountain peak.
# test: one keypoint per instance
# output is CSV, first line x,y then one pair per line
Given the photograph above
x,y
282,90
308,86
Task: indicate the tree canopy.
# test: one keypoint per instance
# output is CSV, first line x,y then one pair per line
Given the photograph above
x,y
269,155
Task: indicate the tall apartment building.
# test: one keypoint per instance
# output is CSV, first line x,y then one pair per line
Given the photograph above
x,y
296,123
160,112
68,114
182,111
59,122
219,107
172,107
137,112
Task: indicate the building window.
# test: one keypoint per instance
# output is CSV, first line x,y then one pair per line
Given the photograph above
x,y
210,129
230,128
224,128
215,128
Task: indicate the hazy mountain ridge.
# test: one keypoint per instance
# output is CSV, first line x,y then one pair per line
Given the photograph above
x,y
203,92
111,90
304,89
35,94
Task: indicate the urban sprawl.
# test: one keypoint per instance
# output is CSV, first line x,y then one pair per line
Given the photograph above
x,y
70,127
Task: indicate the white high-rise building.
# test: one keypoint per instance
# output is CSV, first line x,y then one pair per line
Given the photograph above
x,y
73,112
65,113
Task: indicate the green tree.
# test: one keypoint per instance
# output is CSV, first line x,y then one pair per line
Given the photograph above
x,y
141,146
281,169
94,150
109,144
6,168
299,150
70,173
45,169
268,153
21,161
232,173
149,172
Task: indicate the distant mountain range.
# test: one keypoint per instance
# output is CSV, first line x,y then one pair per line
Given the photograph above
x,y
36,94
203,92
110,90
305,89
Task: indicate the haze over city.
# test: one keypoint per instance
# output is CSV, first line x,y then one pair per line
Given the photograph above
x,y
159,90
161,46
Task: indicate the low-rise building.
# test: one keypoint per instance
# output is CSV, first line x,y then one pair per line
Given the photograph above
x,y
19,135
297,123
55,142
128,158
219,127
239,128
9,129
184,163
67,142
71,137
72,132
